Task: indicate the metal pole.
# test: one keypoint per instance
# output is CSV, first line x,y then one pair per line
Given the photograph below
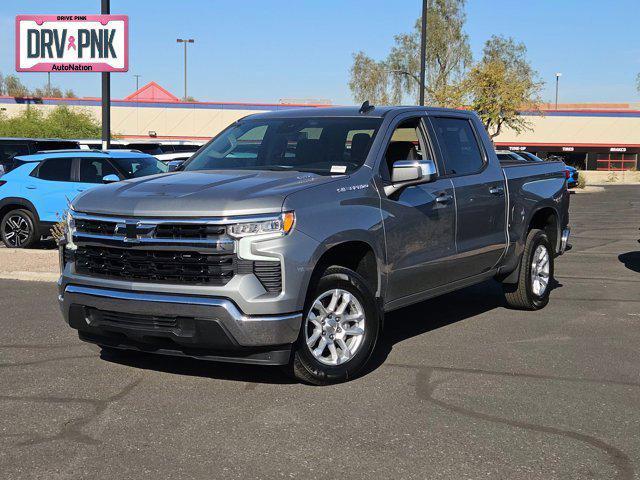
x,y
106,94
137,82
48,83
185,71
557,83
423,50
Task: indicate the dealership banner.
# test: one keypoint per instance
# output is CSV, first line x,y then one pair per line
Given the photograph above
x,y
72,43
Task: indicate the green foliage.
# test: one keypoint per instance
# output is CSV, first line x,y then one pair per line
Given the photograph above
x,y
60,122
502,84
14,87
448,56
370,80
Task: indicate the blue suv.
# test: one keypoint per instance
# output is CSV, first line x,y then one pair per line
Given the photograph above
x,y
36,193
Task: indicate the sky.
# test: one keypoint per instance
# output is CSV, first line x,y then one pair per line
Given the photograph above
x,y
263,51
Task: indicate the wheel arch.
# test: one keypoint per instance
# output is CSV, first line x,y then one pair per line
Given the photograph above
x,y
12,203
545,218
357,255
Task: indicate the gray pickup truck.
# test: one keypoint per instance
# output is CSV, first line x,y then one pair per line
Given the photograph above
x,y
286,238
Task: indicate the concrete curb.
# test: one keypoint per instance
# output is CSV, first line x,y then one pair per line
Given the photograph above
x,y
30,276
588,189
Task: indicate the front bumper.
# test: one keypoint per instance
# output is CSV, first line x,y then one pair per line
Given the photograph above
x,y
195,326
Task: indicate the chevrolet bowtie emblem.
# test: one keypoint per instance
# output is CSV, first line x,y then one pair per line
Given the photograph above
x,y
133,231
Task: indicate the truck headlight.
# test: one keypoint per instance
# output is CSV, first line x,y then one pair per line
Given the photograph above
x,y
71,229
281,224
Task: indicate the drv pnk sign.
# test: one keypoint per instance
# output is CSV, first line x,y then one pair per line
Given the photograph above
x,y
72,43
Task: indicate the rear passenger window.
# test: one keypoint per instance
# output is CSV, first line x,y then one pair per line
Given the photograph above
x,y
55,169
93,170
459,146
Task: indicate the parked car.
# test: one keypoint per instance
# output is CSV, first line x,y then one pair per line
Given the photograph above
x,y
509,156
12,147
164,150
571,173
286,239
36,193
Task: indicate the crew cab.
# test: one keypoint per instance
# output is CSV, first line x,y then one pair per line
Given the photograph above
x,y
287,238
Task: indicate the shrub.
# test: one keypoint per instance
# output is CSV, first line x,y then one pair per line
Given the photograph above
x,y
61,122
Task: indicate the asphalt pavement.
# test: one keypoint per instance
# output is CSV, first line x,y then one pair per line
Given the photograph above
x,y
461,387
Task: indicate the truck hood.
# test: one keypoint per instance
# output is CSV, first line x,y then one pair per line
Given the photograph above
x,y
198,194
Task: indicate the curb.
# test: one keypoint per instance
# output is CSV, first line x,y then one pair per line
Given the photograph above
x,y
30,276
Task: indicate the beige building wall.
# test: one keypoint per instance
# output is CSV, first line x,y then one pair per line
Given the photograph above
x,y
200,121
185,121
609,130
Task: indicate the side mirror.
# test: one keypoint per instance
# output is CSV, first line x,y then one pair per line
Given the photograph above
x,y
174,165
410,172
111,178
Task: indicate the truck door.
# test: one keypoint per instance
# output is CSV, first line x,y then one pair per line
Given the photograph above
x,y
419,220
479,193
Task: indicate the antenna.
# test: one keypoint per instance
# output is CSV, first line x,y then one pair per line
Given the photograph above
x,y
366,108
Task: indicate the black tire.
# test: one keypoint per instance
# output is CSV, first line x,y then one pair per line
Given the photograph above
x,y
521,295
304,366
23,237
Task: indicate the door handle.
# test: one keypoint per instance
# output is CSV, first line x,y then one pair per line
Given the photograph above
x,y
444,198
81,189
30,187
496,191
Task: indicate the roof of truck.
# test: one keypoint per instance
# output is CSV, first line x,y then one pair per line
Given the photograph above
x,y
375,112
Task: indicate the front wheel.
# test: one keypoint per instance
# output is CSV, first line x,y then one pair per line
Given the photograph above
x,y
339,330
536,274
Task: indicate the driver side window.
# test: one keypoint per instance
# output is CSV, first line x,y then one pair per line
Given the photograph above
x,y
407,143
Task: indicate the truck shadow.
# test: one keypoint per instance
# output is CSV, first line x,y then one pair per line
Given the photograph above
x,y
192,367
631,260
433,314
400,325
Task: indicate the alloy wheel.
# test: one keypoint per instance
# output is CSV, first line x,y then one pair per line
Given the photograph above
x,y
334,327
16,231
540,271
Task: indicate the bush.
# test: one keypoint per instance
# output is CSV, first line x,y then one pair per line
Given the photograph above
x,y
61,122
582,182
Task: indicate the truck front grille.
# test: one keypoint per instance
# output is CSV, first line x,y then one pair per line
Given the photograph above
x,y
178,267
132,319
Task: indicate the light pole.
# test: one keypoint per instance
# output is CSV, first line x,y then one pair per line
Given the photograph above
x,y
558,75
423,50
106,92
137,82
185,41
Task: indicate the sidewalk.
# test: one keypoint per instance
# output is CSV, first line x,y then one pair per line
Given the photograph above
x,y
40,265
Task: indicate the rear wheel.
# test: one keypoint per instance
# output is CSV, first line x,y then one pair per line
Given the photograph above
x,y
339,329
18,229
536,274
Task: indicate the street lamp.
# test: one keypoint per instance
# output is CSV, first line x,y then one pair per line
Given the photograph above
x,y
137,82
185,41
558,75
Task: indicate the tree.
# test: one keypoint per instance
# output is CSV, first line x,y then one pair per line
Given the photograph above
x,y
370,80
638,82
14,87
447,58
503,84
53,92
61,122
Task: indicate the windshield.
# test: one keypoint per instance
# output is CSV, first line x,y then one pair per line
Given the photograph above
x,y
140,166
325,146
